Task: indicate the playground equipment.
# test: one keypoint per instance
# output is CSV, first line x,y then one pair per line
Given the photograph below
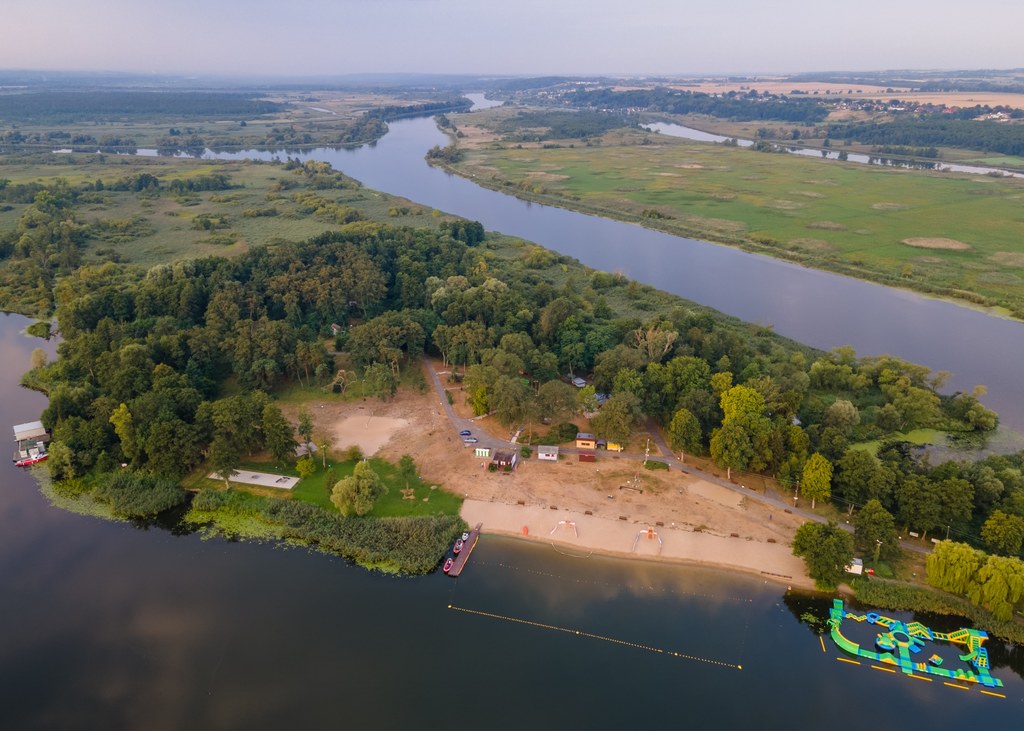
x,y
650,534
900,640
565,524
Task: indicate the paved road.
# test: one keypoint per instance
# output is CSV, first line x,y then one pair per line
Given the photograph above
x,y
664,455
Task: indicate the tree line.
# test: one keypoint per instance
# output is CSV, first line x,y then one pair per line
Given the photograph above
x,y
739,106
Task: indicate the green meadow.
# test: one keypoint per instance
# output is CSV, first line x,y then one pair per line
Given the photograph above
x,y
843,217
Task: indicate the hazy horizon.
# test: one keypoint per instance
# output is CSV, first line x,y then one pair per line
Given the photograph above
x,y
532,37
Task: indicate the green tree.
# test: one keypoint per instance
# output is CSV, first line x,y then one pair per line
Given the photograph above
x,y
511,401
557,400
305,427
731,447
999,586
1003,533
306,467
827,551
874,531
618,416
224,458
952,566
684,432
407,469
124,427
358,492
278,433
816,482
380,381
842,415
919,503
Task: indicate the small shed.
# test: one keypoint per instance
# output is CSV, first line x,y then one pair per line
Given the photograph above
x,y
547,453
504,460
587,455
855,567
335,329
578,382
483,451
585,441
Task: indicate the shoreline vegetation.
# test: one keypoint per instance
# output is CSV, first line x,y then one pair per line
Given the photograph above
x,y
174,361
846,218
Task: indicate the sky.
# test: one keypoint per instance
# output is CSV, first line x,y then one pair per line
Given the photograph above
x,y
508,37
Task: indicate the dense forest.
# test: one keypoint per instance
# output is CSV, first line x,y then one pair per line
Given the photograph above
x,y
970,134
749,106
104,105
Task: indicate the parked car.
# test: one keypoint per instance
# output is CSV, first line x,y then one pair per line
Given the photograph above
x,y
470,440
465,433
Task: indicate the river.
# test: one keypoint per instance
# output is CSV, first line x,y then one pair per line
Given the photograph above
x,y
120,626
815,307
688,133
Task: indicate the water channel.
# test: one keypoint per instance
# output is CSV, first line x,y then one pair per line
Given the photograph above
x,y
678,130
121,626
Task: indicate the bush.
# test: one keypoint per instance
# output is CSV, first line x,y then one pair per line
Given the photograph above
x,y
411,545
655,465
564,432
133,495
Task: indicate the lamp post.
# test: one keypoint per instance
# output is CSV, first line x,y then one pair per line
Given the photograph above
x,y
878,548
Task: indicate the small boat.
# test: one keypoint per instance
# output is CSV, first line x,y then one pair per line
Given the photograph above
x,y
465,536
449,562
458,546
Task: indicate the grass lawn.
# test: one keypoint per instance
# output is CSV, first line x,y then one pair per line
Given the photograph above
x,y
824,213
916,436
317,488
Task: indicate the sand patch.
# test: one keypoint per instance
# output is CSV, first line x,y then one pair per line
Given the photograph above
x,y
668,175
691,166
807,193
784,205
815,245
889,206
824,181
827,226
546,175
715,493
1008,258
928,242
369,433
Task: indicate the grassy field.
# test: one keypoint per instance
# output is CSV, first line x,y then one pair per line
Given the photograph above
x,y
316,490
144,229
843,217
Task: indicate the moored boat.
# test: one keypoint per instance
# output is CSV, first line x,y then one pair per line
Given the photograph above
x,y
458,546
31,439
449,562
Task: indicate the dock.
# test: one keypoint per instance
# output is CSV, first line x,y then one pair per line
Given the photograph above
x,y
462,558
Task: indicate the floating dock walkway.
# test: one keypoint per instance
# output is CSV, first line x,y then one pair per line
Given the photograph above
x,y
462,557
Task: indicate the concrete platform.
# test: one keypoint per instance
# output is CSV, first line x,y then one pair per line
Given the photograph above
x,y
263,479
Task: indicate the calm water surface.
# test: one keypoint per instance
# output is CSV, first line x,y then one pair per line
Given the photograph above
x,y
112,626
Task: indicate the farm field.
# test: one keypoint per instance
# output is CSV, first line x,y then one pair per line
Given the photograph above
x,y
949,234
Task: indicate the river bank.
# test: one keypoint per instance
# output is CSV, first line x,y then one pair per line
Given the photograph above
x,y
578,534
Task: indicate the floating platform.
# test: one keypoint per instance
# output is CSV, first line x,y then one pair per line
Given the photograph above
x,y
898,642
462,557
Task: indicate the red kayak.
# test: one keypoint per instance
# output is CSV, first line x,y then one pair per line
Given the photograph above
x,y
449,562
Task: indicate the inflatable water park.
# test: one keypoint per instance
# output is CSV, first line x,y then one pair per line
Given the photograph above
x,y
903,646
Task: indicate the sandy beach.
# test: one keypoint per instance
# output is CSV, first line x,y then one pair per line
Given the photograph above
x,y
582,534
610,502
